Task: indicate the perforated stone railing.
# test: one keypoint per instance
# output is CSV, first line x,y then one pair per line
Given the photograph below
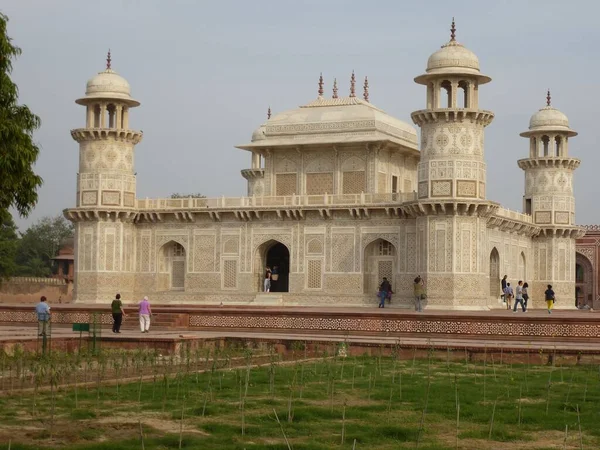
x,y
276,201
514,215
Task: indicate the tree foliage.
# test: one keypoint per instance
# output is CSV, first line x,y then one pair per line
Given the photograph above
x,y
40,243
18,152
8,245
178,195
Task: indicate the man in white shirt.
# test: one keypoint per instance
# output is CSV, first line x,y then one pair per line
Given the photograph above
x,y
43,314
519,297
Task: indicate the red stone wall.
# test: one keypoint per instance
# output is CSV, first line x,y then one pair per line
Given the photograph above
x,y
588,264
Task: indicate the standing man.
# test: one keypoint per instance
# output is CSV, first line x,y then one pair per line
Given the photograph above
x,y
384,288
43,314
118,313
145,312
519,297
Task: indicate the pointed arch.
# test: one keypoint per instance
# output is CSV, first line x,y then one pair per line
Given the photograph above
x,y
379,260
495,288
171,266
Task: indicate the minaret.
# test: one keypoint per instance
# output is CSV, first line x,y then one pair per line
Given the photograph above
x,y
106,190
550,201
452,209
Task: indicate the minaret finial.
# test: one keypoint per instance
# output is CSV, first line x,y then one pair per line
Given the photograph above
x,y
108,60
335,89
548,98
352,85
453,31
269,113
366,92
321,85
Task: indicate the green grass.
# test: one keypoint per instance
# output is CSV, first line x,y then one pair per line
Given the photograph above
x,y
423,408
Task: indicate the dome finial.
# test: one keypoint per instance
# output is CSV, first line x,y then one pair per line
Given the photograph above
x,y
352,85
548,98
108,60
366,90
269,112
321,85
335,88
453,31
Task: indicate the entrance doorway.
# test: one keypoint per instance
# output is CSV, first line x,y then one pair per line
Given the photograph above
x,y
278,259
584,285
379,262
495,286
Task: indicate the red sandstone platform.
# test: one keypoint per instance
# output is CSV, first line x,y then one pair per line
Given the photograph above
x,y
500,326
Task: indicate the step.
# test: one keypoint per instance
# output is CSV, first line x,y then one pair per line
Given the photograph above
x,y
268,298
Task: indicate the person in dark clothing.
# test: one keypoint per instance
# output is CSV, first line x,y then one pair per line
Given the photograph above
x,y
384,289
550,298
118,313
503,283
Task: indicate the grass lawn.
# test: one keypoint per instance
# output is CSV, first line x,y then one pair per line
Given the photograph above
x,y
342,402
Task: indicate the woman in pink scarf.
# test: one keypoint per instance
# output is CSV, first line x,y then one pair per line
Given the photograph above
x,y
145,312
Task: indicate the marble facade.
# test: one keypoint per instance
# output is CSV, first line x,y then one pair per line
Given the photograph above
x,y
340,194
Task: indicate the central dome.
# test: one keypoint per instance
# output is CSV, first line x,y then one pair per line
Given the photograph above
x,y
341,120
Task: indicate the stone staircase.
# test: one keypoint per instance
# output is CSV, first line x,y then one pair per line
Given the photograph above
x,y
159,320
268,298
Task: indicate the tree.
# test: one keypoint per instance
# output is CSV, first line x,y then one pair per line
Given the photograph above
x,y
18,153
8,244
40,243
178,195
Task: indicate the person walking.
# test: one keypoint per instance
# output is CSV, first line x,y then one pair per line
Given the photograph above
x,y
384,288
145,312
42,309
503,284
419,293
550,298
519,297
525,295
267,282
508,295
118,313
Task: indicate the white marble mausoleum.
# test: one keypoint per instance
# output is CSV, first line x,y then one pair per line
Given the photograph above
x,y
340,194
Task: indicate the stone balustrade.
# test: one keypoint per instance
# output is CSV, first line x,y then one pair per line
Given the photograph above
x,y
514,215
275,201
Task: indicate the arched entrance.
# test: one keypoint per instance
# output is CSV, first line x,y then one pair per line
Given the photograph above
x,y
584,283
275,255
379,262
171,267
495,273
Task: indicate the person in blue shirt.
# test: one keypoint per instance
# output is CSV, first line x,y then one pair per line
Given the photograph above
x,y
43,314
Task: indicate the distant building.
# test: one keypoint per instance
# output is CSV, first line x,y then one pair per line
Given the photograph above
x,y
340,195
65,261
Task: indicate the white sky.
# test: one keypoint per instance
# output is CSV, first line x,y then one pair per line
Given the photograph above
x,y
205,73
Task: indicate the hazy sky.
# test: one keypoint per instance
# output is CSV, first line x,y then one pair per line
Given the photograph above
x,y
206,72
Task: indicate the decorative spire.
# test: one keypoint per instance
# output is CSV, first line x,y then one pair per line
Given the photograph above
x,y
453,31
269,113
108,60
352,85
335,89
548,98
321,85
366,90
